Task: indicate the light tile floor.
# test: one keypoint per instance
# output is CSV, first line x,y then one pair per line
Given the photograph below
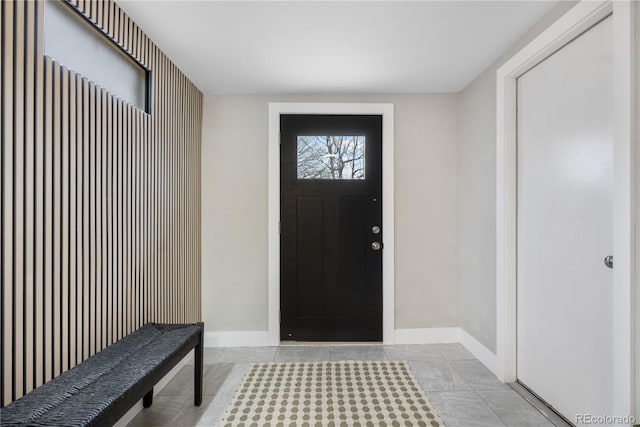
x,y
462,390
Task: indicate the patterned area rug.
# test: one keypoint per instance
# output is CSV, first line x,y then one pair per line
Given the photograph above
x,y
350,393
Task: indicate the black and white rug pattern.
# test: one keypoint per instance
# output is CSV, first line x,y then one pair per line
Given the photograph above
x,y
319,394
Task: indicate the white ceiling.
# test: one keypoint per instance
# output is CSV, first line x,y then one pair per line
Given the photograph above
x,y
334,46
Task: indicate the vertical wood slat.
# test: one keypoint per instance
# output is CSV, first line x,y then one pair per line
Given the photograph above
x,y
100,223
110,202
77,168
65,224
56,236
73,221
153,295
127,218
98,239
6,263
85,239
118,159
48,219
18,199
138,260
91,216
3,26
104,221
28,190
162,193
38,83
170,193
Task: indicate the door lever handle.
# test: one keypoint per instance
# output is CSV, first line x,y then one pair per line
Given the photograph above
x,y
608,261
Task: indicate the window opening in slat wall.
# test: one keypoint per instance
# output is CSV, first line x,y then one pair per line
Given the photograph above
x,y
73,41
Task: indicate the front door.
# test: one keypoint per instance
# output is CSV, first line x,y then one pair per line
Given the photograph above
x,y
565,226
331,228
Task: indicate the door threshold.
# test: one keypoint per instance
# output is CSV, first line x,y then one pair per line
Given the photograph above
x,y
331,343
543,407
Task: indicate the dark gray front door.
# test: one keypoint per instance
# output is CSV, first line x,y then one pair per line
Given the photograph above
x,y
331,227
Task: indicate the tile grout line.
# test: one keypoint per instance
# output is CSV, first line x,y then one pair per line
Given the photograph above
x,y
218,356
441,353
437,391
453,370
472,389
491,409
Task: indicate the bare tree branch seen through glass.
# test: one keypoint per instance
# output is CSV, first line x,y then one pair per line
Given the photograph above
x,y
331,157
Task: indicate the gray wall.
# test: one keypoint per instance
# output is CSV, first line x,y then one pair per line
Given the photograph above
x,y
234,208
477,194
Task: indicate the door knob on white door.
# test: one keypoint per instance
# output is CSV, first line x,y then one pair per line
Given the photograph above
x,y
608,261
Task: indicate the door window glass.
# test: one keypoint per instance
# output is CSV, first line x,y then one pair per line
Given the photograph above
x,y
331,157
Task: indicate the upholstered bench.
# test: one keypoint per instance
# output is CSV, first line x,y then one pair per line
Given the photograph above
x,y
100,390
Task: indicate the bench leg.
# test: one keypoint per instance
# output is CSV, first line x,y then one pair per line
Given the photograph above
x,y
198,372
147,400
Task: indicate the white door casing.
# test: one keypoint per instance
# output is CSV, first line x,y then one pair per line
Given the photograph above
x,y
564,225
388,257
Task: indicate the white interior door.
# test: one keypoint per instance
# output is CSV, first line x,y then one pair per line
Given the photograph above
x,y
565,194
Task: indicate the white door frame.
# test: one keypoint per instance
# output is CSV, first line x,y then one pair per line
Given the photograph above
x,y
577,20
386,111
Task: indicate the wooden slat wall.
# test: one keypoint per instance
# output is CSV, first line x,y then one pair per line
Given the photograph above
x,y
100,214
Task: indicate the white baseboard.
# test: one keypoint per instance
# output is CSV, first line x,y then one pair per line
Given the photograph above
x,y
449,335
402,336
482,353
238,339
126,418
427,335
262,338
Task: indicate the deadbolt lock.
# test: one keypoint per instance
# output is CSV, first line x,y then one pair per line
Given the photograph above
x,y
375,229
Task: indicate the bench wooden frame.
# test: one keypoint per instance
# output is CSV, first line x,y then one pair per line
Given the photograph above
x,y
144,388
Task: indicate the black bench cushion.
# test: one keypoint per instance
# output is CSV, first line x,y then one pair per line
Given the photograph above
x,y
81,394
